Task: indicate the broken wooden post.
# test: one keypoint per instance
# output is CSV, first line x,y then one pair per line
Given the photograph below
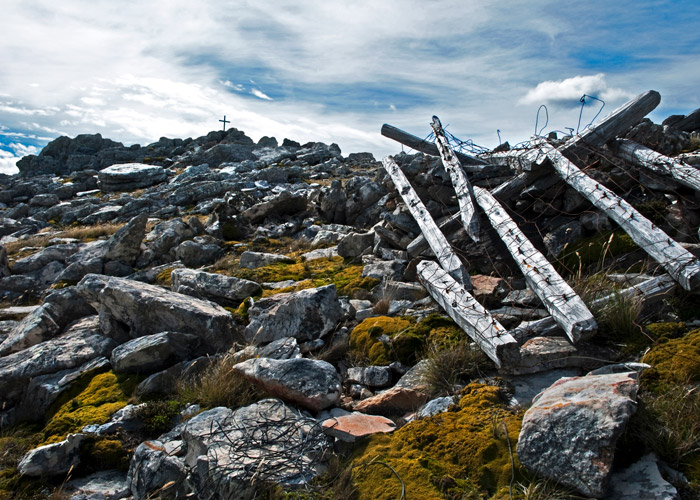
x,y
463,189
428,147
617,122
656,162
471,316
437,241
565,306
646,292
680,263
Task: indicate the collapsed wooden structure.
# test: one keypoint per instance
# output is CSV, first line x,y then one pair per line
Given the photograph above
x,y
448,281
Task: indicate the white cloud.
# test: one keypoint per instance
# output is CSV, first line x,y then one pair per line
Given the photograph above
x,y
567,92
260,95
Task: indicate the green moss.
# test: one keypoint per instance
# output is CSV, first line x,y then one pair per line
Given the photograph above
x,y
164,277
98,454
661,332
444,456
590,251
157,416
676,361
407,339
97,400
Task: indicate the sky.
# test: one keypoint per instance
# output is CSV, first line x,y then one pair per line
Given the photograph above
x,y
332,71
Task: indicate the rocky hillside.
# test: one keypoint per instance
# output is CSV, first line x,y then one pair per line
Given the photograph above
x,y
216,318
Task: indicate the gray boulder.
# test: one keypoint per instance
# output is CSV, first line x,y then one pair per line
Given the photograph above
x,y
435,406
135,309
130,176
39,260
266,442
4,263
222,289
283,204
641,481
152,353
371,376
254,260
310,383
165,382
81,342
152,467
196,254
52,459
570,431
107,485
125,245
306,315
59,309
355,244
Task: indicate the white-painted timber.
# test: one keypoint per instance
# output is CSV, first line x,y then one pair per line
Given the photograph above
x,y
463,189
419,244
462,307
647,292
565,306
437,241
653,160
680,263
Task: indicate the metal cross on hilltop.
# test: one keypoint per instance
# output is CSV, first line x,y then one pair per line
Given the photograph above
x,y
225,122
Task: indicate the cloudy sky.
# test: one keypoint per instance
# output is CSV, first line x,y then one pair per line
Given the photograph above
x,y
333,71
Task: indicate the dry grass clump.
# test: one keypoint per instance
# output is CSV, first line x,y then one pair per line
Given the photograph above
x,y
219,385
450,365
82,233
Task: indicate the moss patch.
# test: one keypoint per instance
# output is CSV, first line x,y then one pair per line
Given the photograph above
x,y
164,277
445,456
676,361
95,403
98,454
407,338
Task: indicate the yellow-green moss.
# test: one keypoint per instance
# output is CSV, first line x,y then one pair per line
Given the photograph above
x,y
446,455
666,330
674,362
164,277
94,404
103,454
407,338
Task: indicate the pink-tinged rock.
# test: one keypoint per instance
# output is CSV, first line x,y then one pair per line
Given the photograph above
x,y
488,288
393,401
348,428
569,433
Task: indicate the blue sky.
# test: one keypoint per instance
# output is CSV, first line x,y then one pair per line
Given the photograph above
x,y
332,71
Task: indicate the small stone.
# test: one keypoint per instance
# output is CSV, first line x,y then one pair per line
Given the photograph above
x,y
350,428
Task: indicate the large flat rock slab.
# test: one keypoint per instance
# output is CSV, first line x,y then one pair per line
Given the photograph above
x,y
130,176
133,309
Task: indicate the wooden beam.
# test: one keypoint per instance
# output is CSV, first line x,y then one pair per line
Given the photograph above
x,y
680,263
656,162
565,306
465,194
428,147
437,241
647,292
419,244
463,308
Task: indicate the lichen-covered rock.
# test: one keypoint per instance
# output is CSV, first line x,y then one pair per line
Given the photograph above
x,y
225,290
641,481
306,315
125,245
52,459
109,484
144,309
284,203
35,262
310,383
152,467
371,376
569,433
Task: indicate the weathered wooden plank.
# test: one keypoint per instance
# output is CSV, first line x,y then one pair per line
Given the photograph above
x,y
646,292
565,306
656,162
437,241
420,244
681,264
469,162
463,308
463,189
